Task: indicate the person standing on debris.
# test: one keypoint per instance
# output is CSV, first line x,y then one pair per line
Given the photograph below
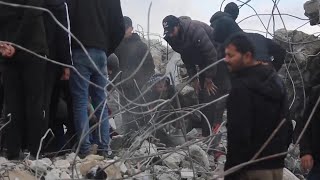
x,y
194,41
105,33
256,105
57,76
232,9
23,76
131,52
309,145
224,26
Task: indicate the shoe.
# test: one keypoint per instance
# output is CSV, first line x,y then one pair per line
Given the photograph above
x,y
106,154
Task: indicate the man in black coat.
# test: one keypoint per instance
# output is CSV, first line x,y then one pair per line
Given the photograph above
x,y
193,40
24,76
256,105
131,52
57,82
309,145
224,26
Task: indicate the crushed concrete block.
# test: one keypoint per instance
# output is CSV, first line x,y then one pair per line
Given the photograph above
x,y
20,175
39,165
65,175
288,175
86,166
174,160
53,174
70,158
199,155
186,173
62,164
94,158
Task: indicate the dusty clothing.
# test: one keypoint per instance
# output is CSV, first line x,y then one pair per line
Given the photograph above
x,y
274,174
130,53
196,46
96,16
256,105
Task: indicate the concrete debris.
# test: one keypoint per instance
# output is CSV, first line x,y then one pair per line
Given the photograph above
x,y
174,160
65,175
187,173
86,166
288,175
39,165
62,164
53,174
20,175
200,156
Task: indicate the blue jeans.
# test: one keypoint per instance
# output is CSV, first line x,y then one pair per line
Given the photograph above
x,y
80,93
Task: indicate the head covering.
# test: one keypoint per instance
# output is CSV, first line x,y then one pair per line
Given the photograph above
x,y
169,23
127,22
232,9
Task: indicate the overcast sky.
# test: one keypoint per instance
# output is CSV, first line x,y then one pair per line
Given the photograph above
x,y
203,9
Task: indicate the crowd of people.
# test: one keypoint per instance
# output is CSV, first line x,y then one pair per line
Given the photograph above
x,y
71,91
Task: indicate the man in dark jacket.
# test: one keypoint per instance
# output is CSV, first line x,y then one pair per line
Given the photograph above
x,y
266,50
131,52
57,82
24,76
105,33
194,41
256,105
309,145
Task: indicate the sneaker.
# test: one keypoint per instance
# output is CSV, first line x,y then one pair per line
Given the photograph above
x,y
106,154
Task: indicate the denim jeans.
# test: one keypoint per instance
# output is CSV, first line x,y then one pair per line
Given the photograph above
x,y
80,93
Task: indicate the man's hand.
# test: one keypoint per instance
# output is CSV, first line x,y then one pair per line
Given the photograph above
x,y
196,85
65,74
210,87
7,50
307,162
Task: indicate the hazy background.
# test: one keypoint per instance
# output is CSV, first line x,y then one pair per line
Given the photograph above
x,y
203,10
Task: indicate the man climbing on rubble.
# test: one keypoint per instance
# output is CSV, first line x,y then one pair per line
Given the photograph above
x,y
256,106
131,52
106,30
194,41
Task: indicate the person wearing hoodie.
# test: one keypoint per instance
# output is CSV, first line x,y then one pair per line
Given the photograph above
x,y
232,9
256,106
99,27
23,76
193,40
224,26
131,52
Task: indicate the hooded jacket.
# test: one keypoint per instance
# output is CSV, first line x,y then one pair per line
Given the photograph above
x,y
24,27
97,24
265,49
196,46
256,105
57,38
130,53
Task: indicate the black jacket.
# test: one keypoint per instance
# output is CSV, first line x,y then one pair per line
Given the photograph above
x,y
130,53
256,106
310,140
196,46
22,26
96,23
57,38
266,50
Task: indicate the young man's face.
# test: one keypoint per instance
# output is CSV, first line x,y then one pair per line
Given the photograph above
x,y
234,59
160,86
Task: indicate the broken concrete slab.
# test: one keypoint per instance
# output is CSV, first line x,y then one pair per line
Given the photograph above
x,y
174,160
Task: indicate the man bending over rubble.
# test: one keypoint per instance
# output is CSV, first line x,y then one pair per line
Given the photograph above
x,y
193,40
256,106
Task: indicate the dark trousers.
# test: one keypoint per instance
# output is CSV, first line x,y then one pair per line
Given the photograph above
x,y
23,78
315,172
56,114
213,112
